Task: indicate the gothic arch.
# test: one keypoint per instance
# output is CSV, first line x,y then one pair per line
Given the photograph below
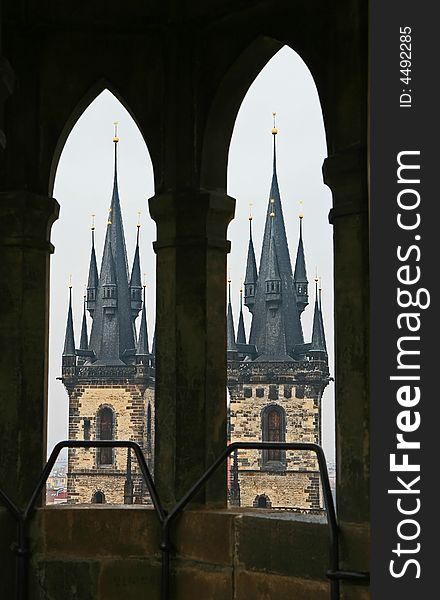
x,y
227,101
80,107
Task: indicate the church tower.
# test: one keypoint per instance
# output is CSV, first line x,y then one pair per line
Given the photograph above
x,y
110,378
276,380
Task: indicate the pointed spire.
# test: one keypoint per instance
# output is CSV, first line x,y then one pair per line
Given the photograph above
x,y
84,342
142,345
92,282
112,338
318,345
231,344
241,333
69,340
135,280
251,277
300,275
275,341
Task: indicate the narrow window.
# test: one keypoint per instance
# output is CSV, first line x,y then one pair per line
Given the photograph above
x,y
105,432
273,425
87,429
274,433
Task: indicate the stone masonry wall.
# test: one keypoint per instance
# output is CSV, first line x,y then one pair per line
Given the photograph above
x,y
296,486
128,402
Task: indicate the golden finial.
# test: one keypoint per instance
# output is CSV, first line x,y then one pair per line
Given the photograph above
x,y
93,221
274,128
139,219
250,211
115,138
301,214
320,284
70,281
316,275
145,280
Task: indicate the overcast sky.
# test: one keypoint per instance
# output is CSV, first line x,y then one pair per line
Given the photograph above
x,y
84,181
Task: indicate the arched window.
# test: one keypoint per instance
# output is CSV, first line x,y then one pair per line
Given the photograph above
x,y
273,425
262,501
98,498
105,432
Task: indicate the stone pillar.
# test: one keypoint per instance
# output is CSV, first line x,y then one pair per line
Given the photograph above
x,y
25,223
190,425
346,174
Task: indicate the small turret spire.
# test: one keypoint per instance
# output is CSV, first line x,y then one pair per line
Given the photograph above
x,y
231,344
241,332
300,274
250,280
142,345
318,346
69,340
93,279
84,342
135,280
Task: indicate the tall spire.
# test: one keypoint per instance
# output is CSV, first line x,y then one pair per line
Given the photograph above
x,y
241,333
69,339
84,342
92,283
318,346
231,344
112,338
300,275
251,277
135,280
275,342
142,345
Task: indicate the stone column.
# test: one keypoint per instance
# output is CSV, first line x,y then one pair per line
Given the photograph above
x,y
346,174
25,223
190,429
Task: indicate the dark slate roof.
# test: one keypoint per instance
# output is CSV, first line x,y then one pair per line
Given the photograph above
x,y
111,338
241,332
93,269
69,339
275,338
84,342
251,265
300,275
272,272
142,345
231,345
135,279
318,336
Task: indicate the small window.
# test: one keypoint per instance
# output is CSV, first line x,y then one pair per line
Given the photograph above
x,y
98,498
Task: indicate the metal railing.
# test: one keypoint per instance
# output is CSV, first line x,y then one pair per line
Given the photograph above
x,y
22,517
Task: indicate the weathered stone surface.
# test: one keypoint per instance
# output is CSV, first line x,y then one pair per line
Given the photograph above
x,y
97,532
129,402
293,547
267,586
129,579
